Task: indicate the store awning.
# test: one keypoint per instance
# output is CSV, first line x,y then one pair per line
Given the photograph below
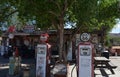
x,y
21,34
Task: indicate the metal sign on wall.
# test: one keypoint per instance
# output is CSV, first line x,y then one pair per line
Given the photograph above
x,y
29,28
41,60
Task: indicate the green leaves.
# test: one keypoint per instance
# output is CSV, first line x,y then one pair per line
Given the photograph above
x,y
86,13
96,13
108,9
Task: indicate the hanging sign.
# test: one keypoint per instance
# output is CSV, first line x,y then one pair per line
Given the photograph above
x,y
41,60
11,29
29,28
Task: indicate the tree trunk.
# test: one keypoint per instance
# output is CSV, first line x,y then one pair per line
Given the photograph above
x,y
61,34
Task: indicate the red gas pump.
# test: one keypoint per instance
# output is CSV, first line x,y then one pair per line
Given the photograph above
x,y
43,60
85,57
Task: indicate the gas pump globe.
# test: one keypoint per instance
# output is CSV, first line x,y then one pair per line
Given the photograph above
x,y
44,37
85,37
11,36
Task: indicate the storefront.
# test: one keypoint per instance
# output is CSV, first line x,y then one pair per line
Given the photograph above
x,y
23,41
27,42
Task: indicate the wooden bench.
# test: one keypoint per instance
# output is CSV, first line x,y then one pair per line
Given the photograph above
x,y
102,62
111,66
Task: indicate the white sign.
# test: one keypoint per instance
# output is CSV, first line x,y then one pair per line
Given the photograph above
x,y
41,60
85,37
28,28
85,60
11,36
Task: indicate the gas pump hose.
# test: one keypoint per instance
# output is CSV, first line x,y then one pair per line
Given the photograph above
x,y
72,70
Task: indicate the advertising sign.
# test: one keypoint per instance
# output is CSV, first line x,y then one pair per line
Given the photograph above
x,y
85,61
28,28
41,60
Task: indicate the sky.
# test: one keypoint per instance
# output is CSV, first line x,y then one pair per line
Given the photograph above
x,y
116,28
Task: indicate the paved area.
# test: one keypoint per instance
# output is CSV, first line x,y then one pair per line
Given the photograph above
x,y
4,67
99,72
106,72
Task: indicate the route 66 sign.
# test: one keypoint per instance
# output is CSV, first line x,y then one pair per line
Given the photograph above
x,y
85,37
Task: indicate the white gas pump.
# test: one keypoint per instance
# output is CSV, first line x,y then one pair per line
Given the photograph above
x,y
85,59
42,62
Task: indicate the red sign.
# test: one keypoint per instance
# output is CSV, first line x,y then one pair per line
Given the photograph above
x,y
11,29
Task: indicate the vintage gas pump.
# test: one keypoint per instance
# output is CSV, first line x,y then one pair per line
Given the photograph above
x,y
43,61
85,57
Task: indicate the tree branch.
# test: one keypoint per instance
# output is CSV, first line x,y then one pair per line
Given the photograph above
x,y
54,24
11,13
57,4
51,12
65,5
75,32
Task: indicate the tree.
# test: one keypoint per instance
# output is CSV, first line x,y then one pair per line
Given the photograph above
x,y
88,15
108,13
6,12
52,14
